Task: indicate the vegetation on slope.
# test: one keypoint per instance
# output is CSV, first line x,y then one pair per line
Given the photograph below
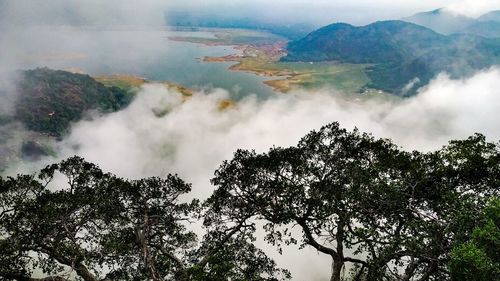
x,y
400,52
261,55
49,100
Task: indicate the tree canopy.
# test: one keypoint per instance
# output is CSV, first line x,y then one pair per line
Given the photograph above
x,y
388,214
379,213
101,227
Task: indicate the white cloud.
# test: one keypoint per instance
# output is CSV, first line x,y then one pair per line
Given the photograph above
x,y
69,12
474,8
194,137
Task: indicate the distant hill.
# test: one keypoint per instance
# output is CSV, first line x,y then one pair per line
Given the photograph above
x,y
289,31
491,16
442,21
447,22
399,52
49,100
489,29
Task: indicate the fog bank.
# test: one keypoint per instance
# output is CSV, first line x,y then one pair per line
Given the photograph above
x,y
159,133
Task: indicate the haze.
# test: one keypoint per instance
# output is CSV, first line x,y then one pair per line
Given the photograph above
x,y
151,12
194,137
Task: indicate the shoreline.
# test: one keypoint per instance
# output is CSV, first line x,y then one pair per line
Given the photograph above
x,y
250,54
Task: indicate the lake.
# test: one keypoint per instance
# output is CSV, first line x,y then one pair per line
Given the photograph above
x,y
141,51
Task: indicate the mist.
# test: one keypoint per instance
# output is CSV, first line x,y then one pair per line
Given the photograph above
x,y
195,135
76,12
322,12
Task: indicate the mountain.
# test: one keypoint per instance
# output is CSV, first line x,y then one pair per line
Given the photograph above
x,y
49,100
442,21
490,29
491,16
185,19
379,42
447,22
398,52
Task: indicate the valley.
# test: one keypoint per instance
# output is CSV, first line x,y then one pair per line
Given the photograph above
x,y
262,54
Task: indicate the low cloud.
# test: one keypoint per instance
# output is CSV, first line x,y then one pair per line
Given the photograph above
x,y
193,137
82,12
473,8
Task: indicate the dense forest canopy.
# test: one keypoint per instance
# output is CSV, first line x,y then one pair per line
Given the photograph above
x,y
379,213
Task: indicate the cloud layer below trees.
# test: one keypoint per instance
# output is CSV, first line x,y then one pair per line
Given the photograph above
x,y
192,137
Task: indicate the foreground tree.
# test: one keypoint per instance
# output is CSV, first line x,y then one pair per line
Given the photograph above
x,y
478,259
101,227
387,214
378,212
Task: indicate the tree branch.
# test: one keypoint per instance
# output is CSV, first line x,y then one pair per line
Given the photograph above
x,y
311,241
77,265
428,272
22,277
221,243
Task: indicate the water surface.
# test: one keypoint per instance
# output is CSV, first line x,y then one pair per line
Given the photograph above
x,y
145,52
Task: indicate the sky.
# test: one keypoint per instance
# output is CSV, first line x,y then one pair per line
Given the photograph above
x,y
152,11
327,11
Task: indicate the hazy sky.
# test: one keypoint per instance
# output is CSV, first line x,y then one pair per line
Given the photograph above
x,y
152,11
325,11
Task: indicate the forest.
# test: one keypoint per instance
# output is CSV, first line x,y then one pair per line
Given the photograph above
x,y
379,213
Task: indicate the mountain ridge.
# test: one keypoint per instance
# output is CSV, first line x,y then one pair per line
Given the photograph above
x,y
399,51
447,22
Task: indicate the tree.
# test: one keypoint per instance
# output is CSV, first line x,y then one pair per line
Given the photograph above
x,y
388,214
478,259
378,212
101,227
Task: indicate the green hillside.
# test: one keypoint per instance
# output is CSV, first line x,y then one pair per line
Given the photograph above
x,y
399,51
49,100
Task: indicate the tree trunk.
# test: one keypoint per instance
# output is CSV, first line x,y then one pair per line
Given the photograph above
x,y
83,272
336,270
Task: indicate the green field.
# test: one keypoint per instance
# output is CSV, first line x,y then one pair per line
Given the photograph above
x,y
344,77
260,53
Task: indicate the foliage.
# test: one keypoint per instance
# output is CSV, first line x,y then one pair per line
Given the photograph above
x,y
392,215
49,100
380,214
101,227
479,258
